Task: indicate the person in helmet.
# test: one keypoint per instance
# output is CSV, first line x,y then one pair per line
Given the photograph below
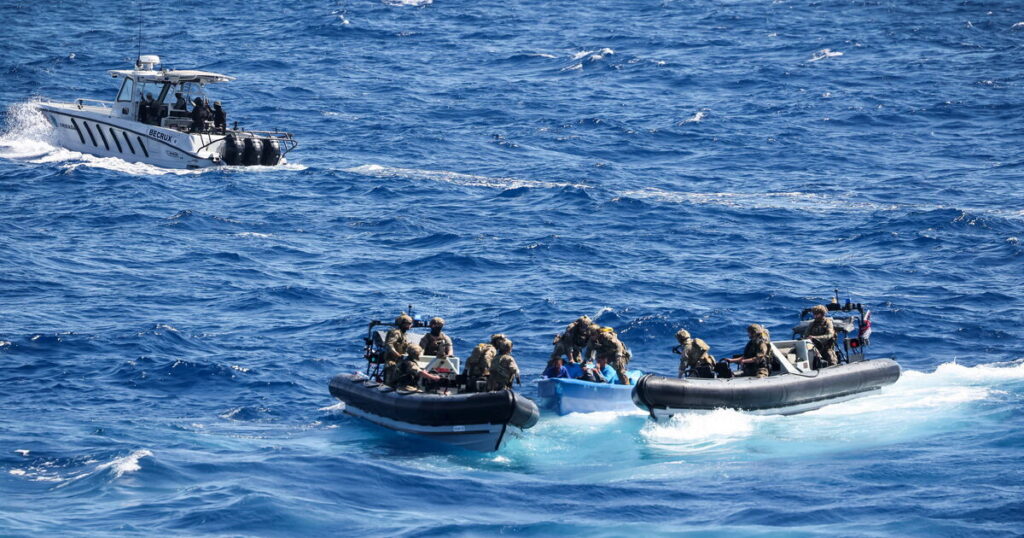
x,y
436,342
409,371
694,359
822,334
220,118
200,115
571,342
395,347
504,369
756,357
605,344
478,366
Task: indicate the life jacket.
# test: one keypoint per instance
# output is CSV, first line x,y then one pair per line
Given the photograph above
x,y
479,362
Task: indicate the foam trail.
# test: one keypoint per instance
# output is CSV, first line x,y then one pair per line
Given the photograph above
x,y
26,134
467,180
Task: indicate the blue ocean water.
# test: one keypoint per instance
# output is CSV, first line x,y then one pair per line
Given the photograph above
x,y
166,337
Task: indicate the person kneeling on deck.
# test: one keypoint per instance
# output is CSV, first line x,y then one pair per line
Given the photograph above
x,y
556,369
409,371
504,369
436,342
694,359
822,334
570,343
395,347
756,356
478,366
606,344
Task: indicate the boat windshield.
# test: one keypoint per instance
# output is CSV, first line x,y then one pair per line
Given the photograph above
x,y
127,87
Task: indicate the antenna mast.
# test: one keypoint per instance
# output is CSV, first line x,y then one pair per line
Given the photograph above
x,y
138,58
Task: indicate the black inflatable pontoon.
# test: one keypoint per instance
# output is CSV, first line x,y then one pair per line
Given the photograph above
x,y
477,421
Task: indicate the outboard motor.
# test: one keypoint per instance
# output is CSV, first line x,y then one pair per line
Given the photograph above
x,y
271,152
252,152
232,152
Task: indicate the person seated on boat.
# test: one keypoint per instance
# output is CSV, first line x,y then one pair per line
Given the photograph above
x,y
694,359
756,356
478,366
504,369
180,106
602,372
409,371
570,343
556,369
220,121
436,342
607,345
395,347
822,334
200,115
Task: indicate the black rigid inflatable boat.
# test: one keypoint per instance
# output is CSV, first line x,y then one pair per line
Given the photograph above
x,y
799,380
476,420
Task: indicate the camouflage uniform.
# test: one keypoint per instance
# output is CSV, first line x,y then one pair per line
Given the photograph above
x,y
694,356
822,334
432,344
407,374
395,346
607,345
478,365
570,343
504,371
757,348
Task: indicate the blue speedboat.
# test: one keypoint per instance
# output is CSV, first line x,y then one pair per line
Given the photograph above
x,y
565,395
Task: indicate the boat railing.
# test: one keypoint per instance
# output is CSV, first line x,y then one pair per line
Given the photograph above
x,y
82,102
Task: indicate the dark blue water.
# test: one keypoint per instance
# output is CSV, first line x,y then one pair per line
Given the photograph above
x,y
166,337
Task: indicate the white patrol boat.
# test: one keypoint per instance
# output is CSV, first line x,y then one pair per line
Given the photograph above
x,y
166,130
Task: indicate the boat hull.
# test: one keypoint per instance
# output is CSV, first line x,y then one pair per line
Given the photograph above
x,y
475,421
786,394
566,396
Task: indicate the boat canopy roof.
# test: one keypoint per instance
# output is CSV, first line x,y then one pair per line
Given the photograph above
x,y
175,76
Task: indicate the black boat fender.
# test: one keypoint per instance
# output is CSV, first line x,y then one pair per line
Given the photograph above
x,y
232,150
271,152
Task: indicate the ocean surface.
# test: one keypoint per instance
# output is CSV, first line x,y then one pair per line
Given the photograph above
x,y
166,337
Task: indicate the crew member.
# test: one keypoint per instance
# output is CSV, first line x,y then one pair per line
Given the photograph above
x,y
436,342
504,369
148,110
409,371
179,102
395,347
694,359
570,343
478,366
822,333
756,357
606,344
220,122
200,115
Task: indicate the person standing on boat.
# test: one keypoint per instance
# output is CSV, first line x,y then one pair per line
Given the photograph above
x,y
200,115
822,333
409,371
607,345
756,355
504,369
570,343
436,342
180,105
148,110
220,119
395,347
694,358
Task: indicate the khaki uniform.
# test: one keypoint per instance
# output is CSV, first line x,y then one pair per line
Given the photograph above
x,y
478,365
504,371
823,334
570,344
608,346
395,346
407,375
757,348
695,357
431,344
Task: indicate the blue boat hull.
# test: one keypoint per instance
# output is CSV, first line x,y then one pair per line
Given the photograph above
x,y
566,396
